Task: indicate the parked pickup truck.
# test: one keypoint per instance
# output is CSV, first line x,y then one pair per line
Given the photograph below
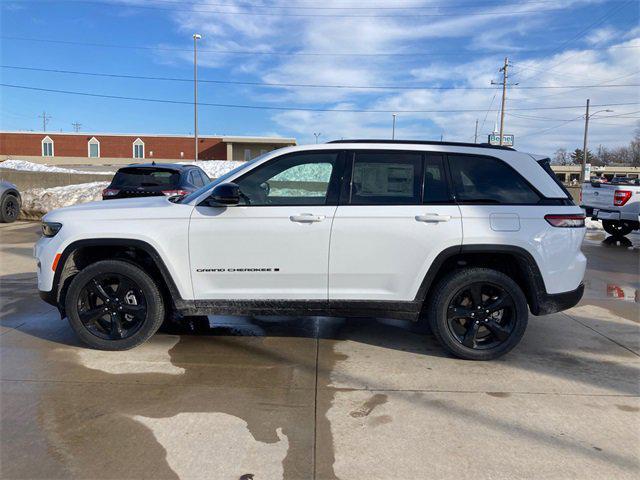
x,y
617,204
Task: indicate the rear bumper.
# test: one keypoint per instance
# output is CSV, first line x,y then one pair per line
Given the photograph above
x,y
551,303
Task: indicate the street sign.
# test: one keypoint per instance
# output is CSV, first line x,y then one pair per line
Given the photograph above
x,y
587,172
507,140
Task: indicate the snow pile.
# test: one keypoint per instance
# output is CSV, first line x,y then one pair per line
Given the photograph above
x,y
593,224
215,168
26,166
38,201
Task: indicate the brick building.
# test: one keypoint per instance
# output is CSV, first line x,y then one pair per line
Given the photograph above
x,y
51,147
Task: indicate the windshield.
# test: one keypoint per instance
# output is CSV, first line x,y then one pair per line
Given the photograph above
x,y
145,177
222,179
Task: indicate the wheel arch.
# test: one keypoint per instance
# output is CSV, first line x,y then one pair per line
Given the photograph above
x,y
81,253
511,260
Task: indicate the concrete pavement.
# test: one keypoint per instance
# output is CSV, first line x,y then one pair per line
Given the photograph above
x,y
268,398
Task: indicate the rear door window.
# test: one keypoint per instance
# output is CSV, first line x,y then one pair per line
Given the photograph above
x,y
195,179
436,189
145,177
386,178
486,180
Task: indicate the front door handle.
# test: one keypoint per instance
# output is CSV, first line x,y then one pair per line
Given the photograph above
x,y
433,218
306,218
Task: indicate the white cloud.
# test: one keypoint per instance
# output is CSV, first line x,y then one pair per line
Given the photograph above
x,y
482,34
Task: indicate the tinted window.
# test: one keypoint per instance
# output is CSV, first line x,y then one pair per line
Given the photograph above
x,y
391,178
204,177
435,182
194,178
145,177
479,179
300,179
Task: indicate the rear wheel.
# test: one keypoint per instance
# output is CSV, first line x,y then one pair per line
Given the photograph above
x,y
478,313
114,305
617,229
9,208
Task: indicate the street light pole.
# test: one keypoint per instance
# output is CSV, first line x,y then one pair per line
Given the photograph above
x,y
196,37
583,169
587,116
317,135
393,128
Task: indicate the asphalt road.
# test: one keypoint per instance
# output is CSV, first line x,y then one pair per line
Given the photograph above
x,y
267,398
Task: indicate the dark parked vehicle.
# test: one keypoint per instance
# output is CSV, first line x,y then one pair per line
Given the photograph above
x,y
10,202
154,180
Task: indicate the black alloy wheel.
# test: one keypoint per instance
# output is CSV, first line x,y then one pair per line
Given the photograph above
x,y
10,208
616,229
481,315
112,307
477,313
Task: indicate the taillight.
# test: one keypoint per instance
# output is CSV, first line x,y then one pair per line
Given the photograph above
x,y
173,193
565,221
620,197
110,192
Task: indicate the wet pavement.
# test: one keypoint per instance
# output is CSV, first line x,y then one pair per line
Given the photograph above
x,y
301,398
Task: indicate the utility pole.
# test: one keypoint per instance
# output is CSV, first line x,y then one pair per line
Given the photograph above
x,y
76,126
393,128
45,119
317,135
504,96
196,37
583,170
475,135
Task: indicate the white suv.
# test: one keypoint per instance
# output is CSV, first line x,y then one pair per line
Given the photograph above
x,y
467,237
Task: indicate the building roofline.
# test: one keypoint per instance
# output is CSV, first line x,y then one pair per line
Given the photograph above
x,y
223,138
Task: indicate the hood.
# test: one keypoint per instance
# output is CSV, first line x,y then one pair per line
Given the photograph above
x,y
124,209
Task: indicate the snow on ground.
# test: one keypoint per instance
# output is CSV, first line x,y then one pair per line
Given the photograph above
x,y
38,201
24,165
593,224
215,168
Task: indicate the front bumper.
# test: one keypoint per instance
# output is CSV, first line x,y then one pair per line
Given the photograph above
x,y
551,303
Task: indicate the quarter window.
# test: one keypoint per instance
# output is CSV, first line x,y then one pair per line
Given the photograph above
x,y
300,179
486,180
47,147
391,178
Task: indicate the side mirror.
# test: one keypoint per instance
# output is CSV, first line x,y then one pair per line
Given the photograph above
x,y
224,194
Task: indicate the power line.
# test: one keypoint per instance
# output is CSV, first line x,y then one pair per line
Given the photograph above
x,y
581,34
279,53
494,13
369,7
280,108
303,85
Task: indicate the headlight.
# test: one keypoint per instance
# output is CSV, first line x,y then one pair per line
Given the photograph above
x,y
49,229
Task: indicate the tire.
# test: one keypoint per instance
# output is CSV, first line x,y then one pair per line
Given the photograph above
x,y
9,208
616,229
114,305
487,335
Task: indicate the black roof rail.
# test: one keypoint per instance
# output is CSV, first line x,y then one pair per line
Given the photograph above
x,y
426,142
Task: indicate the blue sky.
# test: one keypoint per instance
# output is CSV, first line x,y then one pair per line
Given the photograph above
x,y
402,43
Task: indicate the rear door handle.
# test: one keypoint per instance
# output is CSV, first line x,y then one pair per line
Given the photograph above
x,y
306,218
433,218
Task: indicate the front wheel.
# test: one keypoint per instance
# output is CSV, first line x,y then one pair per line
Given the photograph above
x,y
114,305
478,313
617,229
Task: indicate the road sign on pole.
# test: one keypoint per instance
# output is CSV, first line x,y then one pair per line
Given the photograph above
x,y
507,140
